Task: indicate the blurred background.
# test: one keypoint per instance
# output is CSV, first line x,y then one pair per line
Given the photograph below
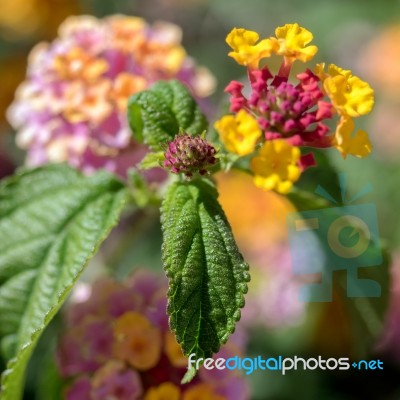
x,y
361,35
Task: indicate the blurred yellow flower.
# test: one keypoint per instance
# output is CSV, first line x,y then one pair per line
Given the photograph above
x,y
276,166
174,351
239,133
246,50
137,341
166,391
88,102
202,391
127,33
348,93
347,142
61,147
292,41
172,58
124,85
21,19
78,64
265,214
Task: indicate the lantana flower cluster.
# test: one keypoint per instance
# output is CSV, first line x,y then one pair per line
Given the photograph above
x,y
72,106
279,117
117,345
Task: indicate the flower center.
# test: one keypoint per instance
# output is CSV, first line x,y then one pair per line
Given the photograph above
x,y
282,109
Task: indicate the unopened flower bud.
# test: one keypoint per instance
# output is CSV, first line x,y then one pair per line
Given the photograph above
x,y
189,154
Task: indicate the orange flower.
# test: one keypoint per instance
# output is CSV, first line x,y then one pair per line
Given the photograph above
x,y
166,391
127,33
202,391
174,351
137,341
88,103
125,86
77,64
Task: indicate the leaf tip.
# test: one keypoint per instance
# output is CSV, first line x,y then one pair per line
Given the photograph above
x,y
189,375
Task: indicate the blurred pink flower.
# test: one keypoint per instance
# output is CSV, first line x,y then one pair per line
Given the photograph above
x,y
86,347
130,353
116,381
72,105
273,299
80,390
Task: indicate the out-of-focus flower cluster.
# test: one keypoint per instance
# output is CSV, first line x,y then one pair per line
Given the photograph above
x,y
23,21
72,106
279,117
117,345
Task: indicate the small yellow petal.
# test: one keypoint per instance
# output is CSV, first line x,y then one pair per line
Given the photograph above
x,y
266,183
349,94
284,187
246,50
276,166
319,70
239,133
292,40
293,172
348,142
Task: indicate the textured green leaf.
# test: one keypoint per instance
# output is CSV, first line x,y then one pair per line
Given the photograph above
x,y
52,221
207,274
156,115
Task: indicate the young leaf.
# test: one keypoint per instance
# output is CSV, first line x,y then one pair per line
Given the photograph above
x,y
52,221
207,274
156,115
152,160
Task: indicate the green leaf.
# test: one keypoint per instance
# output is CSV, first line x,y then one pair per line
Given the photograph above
x,y
158,114
52,221
207,274
152,160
